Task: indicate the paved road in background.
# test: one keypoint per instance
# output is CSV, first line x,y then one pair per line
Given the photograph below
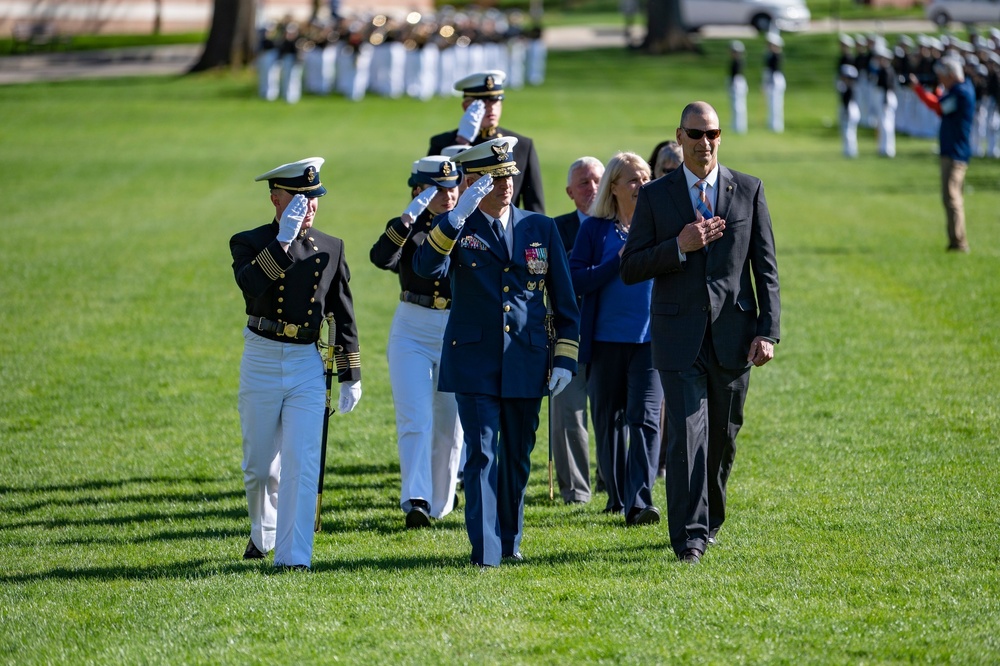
x,y
175,60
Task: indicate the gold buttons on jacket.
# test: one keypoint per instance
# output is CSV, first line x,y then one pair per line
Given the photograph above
x,y
506,289
506,308
506,329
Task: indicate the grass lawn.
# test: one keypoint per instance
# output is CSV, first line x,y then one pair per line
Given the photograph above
x,y
864,501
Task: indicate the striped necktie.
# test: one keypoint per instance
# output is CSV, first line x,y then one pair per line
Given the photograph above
x,y
704,207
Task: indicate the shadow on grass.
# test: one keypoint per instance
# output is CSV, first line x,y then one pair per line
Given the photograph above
x,y
207,568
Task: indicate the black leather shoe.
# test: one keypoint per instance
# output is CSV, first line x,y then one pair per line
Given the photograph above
x,y
691,556
648,516
419,514
516,558
294,567
252,552
711,541
457,503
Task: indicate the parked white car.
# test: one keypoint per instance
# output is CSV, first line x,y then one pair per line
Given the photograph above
x,y
764,15
943,12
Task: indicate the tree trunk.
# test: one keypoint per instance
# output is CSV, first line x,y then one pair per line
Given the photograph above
x,y
665,31
232,40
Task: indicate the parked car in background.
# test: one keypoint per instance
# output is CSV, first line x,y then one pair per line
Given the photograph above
x,y
764,15
943,12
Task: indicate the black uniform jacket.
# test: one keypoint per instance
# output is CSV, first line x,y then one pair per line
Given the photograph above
x,y
527,184
299,287
394,249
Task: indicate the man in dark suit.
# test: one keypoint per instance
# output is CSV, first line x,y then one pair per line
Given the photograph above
x,y
482,102
570,439
715,313
501,261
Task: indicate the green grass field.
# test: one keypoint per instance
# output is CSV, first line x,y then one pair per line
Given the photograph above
x,y
864,500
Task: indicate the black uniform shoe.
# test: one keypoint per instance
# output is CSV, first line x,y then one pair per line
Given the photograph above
x,y
419,514
691,556
648,516
516,558
252,552
294,567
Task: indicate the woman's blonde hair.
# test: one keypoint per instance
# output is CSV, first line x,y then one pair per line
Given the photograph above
x,y
605,205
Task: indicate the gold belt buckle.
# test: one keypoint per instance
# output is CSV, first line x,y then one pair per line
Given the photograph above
x,y
440,302
291,330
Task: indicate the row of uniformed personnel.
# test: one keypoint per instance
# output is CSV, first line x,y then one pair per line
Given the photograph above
x,y
417,57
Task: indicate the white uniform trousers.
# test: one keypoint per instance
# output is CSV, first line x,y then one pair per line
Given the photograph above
x,y
268,74
774,93
738,102
886,127
282,398
535,67
849,119
319,68
291,78
427,426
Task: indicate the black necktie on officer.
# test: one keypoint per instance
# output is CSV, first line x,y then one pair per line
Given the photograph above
x,y
498,230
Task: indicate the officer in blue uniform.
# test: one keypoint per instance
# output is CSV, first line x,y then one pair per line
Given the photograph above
x,y
292,276
501,260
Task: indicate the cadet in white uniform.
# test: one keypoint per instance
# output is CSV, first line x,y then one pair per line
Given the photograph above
x,y
427,427
292,276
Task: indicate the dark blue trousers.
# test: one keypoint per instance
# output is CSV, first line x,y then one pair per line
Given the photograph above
x,y
499,437
625,397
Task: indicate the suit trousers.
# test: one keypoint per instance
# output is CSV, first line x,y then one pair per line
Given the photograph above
x,y
282,399
499,437
429,436
570,440
625,397
704,414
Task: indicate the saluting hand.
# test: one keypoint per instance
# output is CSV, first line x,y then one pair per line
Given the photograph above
x,y
700,233
291,218
418,205
468,127
469,201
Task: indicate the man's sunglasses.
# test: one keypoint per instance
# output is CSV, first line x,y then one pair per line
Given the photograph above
x,y
697,134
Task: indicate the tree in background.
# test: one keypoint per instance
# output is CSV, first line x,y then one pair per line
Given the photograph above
x,y
232,40
665,31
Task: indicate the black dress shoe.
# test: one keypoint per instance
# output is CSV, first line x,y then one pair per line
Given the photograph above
x,y
419,514
648,516
691,556
252,552
457,503
711,541
516,558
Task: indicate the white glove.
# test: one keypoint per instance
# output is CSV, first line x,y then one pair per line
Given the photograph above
x,y
469,201
350,394
468,127
291,219
560,379
418,205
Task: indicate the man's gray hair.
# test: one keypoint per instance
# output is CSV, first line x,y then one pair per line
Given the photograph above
x,y
952,66
580,163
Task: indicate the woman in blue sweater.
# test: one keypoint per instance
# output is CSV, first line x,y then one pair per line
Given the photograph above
x,y
623,387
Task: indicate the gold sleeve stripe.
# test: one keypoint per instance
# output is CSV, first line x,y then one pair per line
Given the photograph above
x,y
268,265
567,348
441,243
348,360
394,236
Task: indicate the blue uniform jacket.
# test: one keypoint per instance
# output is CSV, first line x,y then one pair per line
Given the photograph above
x,y
495,341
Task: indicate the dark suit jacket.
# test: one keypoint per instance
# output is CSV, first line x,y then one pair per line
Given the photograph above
x,y
568,226
527,184
495,342
713,286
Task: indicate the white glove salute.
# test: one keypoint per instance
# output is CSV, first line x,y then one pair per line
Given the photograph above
x,y
350,394
468,127
560,378
469,201
291,219
418,205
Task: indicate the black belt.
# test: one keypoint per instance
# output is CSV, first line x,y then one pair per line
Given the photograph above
x,y
283,329
432,302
